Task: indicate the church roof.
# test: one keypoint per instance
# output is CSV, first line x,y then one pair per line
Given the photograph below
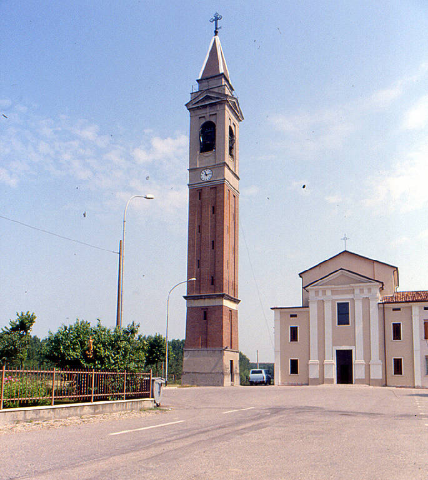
x,y
215,63
346,252
403,297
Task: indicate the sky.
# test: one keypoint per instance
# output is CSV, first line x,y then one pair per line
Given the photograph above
x,y
92,95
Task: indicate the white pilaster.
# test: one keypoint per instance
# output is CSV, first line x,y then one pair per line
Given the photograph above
x,y
360,365
328,342
277,366
416,345
375,363
314,369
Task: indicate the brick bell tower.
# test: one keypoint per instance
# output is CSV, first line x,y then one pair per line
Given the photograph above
x,y
211,355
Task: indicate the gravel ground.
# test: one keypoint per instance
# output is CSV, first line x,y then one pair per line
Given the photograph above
x,y
64,422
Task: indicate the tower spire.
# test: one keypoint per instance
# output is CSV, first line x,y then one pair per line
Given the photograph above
x,y
216,19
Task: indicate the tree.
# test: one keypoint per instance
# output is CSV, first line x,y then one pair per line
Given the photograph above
x,y
14,340
244,369
82,346
175,359
155,353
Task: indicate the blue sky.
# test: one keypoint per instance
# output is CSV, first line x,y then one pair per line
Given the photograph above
x,y
92,98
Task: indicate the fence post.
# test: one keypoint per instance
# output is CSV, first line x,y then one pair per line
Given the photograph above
x,y
150,396
124,386
93,385
53,387
2,385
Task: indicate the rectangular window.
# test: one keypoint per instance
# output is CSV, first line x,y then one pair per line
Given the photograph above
x,y
396,331
294,366
397,366
212,244
199,229
212,280
198,263
213,209
425,308
396,309
294,334
293,315
205,314
426,365
199,195
426,329
343,313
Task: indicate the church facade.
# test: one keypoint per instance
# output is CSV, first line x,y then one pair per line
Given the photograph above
x,y
211,353
353,326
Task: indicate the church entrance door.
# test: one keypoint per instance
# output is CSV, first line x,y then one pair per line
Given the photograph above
x,y
344,366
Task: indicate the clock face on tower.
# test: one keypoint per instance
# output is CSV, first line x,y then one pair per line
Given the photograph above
x,y
206,174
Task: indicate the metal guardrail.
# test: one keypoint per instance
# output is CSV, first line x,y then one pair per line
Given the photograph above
x,y
45,387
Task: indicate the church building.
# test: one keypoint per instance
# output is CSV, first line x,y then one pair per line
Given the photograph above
x,y
353,326
211,354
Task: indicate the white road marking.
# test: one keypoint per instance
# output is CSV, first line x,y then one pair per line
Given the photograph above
x,y
239,410
147,428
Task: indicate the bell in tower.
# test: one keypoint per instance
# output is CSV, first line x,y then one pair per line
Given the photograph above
x,y
211,353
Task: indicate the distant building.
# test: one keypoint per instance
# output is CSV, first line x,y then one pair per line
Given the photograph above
x,y
353,327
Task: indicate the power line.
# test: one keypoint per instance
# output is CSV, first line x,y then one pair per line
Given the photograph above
x,y
59,236
257,287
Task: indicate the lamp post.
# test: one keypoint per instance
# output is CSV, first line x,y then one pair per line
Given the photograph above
x,y
121,256
167,317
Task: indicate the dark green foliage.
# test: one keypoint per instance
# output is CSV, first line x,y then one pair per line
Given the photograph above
x,y
244,369
155,353
14,340
81,346
175,360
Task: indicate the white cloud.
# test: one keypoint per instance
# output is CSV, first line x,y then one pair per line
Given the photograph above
x,y
404,187
8,178
417,117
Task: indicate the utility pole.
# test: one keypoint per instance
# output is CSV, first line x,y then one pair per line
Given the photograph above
x,y
257,359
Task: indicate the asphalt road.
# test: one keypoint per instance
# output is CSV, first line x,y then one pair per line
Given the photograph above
x,y
325,432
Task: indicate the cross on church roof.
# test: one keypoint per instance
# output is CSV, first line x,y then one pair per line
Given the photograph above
x,y
216,19
345,238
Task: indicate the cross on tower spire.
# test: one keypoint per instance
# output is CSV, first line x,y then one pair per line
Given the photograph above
x,y
216,19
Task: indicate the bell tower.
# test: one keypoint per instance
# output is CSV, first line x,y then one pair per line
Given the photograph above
x,y
211,353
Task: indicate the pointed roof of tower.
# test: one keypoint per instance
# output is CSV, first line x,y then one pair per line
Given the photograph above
x,y
215,63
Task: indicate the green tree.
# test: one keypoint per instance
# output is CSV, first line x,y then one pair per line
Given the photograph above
x,y
244,369
14,340
175,359
82,346
155,353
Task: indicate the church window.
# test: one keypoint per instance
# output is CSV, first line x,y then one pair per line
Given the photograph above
x,y
294,334
213,209
199,196
426,365
396,309
205,315
425,329
396,331
212,280
231,142
207,137
343,313
397,366
212,244
294,366
198,263
199,229
293,315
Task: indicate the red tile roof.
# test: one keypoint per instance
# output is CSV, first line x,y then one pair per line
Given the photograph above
x,y
401,297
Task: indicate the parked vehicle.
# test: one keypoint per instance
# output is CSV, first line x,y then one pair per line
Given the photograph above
x,y
260,376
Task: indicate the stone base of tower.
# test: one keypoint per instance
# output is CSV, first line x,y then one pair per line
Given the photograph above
x,y
210,367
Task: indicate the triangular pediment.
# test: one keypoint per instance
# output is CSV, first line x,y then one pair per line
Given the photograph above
x,y
208,98
340,278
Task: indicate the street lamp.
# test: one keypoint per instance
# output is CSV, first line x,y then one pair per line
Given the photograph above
x,y
121,256
167,316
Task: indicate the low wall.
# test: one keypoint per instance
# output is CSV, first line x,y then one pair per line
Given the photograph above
x,y
30,414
